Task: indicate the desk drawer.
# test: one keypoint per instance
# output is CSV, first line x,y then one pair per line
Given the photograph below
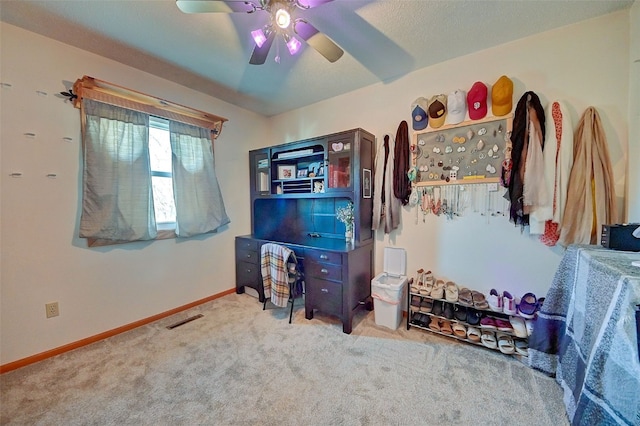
x,y
323,271
247,256
248,274
325,296
246,244
323,256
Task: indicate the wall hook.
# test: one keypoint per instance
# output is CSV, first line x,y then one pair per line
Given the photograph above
x,y
15,174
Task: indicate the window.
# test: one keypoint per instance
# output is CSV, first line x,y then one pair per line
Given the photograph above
x,y
161,173
149,168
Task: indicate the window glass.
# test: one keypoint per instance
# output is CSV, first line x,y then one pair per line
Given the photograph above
x,y
161,172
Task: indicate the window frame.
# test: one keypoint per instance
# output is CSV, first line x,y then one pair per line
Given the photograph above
x,y
102,91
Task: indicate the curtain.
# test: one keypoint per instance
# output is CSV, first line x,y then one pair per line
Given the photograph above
x,y
199,205
117,202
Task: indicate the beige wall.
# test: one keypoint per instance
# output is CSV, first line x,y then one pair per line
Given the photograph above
x,y
634,117
584,65
42,260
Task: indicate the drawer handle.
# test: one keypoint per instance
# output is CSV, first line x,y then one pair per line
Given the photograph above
x,y
324,271
325,290
324,257
248,270
248,256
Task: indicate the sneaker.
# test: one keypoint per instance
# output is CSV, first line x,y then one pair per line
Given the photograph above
x,y
508,304
495,300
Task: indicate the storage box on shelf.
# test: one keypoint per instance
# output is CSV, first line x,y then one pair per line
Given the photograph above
x,y
434,309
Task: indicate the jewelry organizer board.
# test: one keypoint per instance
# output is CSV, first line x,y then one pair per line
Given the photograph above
x,y
469,152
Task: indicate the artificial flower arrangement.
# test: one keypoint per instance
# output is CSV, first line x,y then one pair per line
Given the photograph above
x,y
346,215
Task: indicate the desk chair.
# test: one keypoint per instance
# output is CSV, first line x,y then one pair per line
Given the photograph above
x,y
282,277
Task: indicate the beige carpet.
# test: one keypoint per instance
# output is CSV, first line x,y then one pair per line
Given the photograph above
x,y
240,365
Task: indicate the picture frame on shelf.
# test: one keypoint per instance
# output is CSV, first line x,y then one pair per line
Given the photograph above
x,y
286,171
302,173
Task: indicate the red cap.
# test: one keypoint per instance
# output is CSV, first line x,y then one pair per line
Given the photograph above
x,y
477,101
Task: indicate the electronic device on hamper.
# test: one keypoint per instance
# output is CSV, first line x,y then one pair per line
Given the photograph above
x,y
621,237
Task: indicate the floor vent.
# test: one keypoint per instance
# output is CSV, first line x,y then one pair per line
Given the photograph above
x,y
184,321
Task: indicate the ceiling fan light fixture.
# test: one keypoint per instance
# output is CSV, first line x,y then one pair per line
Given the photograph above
x,y
258,37
294,45
283,18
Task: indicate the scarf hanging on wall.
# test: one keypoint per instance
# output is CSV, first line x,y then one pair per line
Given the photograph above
x,y
591,199
401,183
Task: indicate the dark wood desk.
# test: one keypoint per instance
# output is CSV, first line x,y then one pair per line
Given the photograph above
x,y
337,274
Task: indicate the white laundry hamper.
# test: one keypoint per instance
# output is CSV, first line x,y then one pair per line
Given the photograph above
x,y
387,288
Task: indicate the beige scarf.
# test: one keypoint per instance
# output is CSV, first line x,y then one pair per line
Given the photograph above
x,y
591,199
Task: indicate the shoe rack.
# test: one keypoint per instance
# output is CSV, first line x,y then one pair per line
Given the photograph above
x,y
413,320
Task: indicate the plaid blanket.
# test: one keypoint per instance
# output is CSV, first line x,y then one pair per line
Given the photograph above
x,y
275,274
585,335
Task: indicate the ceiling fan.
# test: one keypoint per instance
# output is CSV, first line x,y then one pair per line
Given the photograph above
x,y
282,23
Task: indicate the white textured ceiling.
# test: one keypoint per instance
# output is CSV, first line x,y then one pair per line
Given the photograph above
x,y
382,39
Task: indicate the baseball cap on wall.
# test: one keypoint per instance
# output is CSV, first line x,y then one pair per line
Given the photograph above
x,y
477,101
419,113
437,110
501,96
456,106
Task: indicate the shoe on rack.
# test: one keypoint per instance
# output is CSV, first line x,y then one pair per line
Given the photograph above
x,y
451,291
479,301
522,348
415,303
435,324
506,344
425,320
464,297
528,306
473,334
495,300
504,325
488,323
426,306
438,308
445,327
488,339
438,290
508,304
447,310
473,317
459,330
417,282
519,326
460,312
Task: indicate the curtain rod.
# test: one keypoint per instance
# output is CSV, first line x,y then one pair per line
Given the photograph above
x,y
93,88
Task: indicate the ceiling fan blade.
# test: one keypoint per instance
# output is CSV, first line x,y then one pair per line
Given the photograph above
x,y
320,42
308,4
215,6
260,54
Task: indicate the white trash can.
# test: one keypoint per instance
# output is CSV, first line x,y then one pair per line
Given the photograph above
x,y
387,288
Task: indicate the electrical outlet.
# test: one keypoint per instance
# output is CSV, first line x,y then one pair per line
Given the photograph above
x,y
53,310
492,187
